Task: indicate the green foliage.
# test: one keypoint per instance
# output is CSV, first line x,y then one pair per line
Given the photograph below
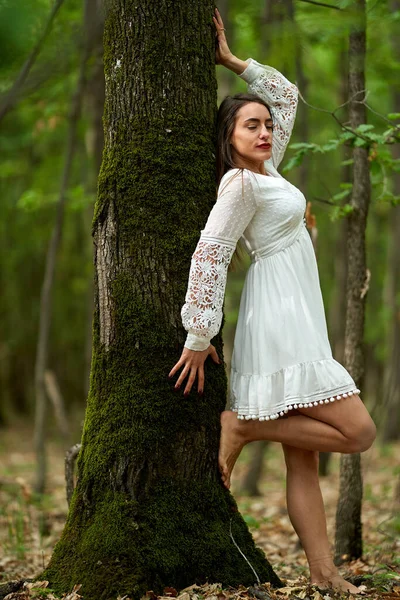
x,y
382,163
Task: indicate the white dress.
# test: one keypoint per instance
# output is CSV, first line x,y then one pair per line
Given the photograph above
x,y
281,358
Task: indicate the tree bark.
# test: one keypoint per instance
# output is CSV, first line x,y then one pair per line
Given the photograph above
x,y
337,317
149,509
69,470
348,516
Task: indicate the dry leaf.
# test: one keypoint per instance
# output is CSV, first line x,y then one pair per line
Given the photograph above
x,y
74,595
36,584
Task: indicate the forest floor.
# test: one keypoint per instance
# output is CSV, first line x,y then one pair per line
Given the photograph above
x,y
29,528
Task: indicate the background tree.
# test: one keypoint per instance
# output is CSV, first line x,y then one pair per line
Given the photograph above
x,y
149,509
348,542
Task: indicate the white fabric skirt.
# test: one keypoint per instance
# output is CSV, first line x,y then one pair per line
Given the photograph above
x,y
282,357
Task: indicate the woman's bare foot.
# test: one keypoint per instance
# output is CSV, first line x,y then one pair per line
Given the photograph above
x,y
230,445
334,580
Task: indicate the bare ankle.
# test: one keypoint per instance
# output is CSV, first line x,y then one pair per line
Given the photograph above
x,y
233,425
322,569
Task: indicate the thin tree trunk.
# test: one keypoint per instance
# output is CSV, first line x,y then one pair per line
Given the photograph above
x,y
149,509
53,392
11,97
348,515
48,282
94,108
338,311
252,477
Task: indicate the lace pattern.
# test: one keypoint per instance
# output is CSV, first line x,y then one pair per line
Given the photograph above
x,y
282,96
202,311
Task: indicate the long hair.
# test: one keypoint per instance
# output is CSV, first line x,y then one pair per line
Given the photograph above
x,y
226,119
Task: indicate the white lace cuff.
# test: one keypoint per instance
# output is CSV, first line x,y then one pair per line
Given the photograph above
x,y
196,342
251,72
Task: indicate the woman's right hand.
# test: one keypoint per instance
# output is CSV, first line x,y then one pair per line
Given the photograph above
x,y
192,362
223,56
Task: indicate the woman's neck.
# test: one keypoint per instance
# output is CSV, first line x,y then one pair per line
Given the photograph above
x,y
242,163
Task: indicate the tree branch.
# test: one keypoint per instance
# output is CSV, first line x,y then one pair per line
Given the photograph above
x,y
321,4
10,98
353,99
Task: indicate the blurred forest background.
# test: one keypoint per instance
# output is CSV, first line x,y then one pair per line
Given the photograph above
x,y
51,145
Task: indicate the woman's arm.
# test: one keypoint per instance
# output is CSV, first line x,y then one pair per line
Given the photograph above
x,y
228,219
202,311
281,95
267,83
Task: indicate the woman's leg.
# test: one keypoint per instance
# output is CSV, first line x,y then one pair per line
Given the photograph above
x,y
342,426
307,515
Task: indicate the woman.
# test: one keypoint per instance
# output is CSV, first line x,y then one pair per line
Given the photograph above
x,y
285,384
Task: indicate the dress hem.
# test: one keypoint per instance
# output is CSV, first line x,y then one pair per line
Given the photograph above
x,y
286,409
303,385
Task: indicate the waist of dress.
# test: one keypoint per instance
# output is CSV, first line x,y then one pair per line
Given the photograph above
x,y
267,251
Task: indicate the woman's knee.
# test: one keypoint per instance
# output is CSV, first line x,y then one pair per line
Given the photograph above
x,y
362,435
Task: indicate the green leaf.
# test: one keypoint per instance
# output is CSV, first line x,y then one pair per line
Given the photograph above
x,y
364,127
359,142
30,200
303,146
295,161
341,195
347,209
331,145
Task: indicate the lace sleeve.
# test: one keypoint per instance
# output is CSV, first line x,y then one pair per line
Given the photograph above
x,y
235,207
281,96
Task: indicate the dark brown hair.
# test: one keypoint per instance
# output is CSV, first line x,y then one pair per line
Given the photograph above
x,y
226,120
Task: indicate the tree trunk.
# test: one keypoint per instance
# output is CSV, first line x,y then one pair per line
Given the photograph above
x,y
348,515
149,509
94,108
337,316
253,475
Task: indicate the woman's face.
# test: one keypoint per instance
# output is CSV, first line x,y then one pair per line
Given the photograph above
x,y
251,139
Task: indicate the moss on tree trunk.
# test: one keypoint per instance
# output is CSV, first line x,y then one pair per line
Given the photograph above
x,y
149,509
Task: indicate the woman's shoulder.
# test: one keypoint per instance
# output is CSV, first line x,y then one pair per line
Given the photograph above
x,y
235,180
237,175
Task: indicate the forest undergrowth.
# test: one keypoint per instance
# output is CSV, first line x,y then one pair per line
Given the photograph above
x,y
30,527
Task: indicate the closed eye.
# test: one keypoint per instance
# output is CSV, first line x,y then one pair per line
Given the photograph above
x,y
271,127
